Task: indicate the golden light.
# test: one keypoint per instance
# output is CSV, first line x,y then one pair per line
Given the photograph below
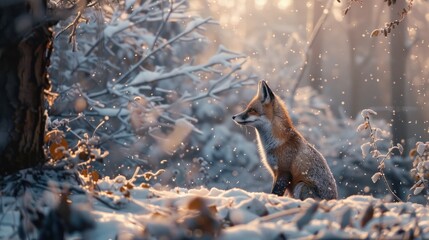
x,y
283,4
259,4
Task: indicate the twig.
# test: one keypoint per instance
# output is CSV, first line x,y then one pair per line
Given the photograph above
x,y
391,25
381,164
281,214
164,22
172,40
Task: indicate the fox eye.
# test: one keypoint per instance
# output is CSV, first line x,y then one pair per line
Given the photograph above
x,y
252,110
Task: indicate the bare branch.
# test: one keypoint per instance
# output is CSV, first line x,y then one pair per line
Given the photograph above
x,y
170,41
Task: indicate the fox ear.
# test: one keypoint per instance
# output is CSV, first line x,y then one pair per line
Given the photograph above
x,y
265,93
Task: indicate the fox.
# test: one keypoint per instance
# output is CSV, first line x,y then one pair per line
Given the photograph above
x,y
297,168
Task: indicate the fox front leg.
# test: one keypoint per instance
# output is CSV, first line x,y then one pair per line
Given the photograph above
x,y
280,185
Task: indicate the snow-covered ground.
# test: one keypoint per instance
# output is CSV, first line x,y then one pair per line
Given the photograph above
x,y
120,210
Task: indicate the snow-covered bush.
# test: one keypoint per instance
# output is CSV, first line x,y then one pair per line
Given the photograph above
x,y
420,170
134,79
371,147
396,177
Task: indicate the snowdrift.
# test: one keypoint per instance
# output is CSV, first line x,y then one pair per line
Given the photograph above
x,y
153,213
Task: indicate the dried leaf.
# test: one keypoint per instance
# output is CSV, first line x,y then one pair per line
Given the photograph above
x,y
54,136
145,185
376,177
375,33
418,190
50,97
413,153
347,10
362,127
196,203
95,176
56,149
127,194
84,172
367,216
420,146
400,148
83,155
129,185
366,147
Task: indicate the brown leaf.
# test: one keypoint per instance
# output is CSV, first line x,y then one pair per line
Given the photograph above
x,y
54,136
56,153
196,203
375,34
367,216
129,185
84,172
346,11
413,153
127,194
50,96
95,176
145,185
83,155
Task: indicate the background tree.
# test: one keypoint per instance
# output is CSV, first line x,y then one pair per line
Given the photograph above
x,y
316,52
398,63
24,57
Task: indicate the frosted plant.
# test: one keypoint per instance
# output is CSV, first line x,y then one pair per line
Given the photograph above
x,y
420,170
371,147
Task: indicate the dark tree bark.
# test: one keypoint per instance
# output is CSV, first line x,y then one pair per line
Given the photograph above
x,y
24,58
398,61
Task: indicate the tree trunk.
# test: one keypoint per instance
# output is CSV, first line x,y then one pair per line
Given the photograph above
x,y
361,54
23,77
398,61
315,59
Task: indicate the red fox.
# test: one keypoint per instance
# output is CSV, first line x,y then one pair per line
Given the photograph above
x,y
295,165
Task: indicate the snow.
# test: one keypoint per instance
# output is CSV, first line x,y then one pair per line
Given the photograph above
x,y
155,213
367,112
111,30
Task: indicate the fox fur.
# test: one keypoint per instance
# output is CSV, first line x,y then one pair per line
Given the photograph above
x,y
298,169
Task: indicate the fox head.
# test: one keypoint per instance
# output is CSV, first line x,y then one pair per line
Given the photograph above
x,y
262,109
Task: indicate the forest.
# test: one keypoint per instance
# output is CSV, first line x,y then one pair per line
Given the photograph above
x,y
162,119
